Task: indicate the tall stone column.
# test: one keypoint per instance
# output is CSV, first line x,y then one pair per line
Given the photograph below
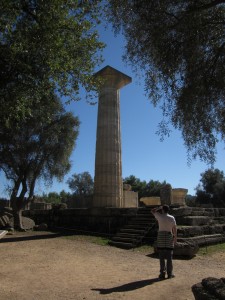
x,y
108,185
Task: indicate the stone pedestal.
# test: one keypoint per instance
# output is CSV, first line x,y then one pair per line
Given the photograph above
x,y
166,194
130,199
108,185
178,196
171,196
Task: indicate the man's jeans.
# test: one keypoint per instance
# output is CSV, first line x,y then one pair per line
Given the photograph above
x,y
166,264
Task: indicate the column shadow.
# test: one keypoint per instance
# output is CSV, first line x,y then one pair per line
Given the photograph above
x,y
127,287
29,236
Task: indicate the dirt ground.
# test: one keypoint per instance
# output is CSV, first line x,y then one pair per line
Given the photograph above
x,y
45,266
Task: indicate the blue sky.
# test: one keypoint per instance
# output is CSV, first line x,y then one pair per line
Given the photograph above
x,y
143,155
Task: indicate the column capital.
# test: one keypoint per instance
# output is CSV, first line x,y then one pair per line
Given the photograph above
x,y
113,78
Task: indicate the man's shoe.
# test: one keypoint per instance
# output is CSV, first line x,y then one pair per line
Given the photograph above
x,y
162,276
171,276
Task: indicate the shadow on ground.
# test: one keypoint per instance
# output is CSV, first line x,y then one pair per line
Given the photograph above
x,y
29,236
175,257
127,287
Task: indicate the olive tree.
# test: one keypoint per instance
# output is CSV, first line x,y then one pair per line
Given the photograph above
x,y
211,188
180,46
38,149
81,184
46,46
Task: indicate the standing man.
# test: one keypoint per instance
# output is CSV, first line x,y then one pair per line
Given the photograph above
x,y
166,239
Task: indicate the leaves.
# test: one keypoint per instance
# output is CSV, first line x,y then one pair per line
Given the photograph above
x,y
144,189
211,188
46,46
180,46
81,184
39,147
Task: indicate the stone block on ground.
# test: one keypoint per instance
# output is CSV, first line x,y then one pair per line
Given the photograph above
x,y
26,222
8,210
209,289
4,221
41,227
3,233
189,231
184,248
204,240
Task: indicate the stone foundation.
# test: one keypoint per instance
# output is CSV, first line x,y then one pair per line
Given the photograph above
x,y
101,220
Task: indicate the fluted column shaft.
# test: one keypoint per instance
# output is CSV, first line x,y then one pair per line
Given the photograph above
x,y
108,169
108,185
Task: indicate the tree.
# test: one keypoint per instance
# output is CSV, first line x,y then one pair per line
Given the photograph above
x,y
180,45
211,188
65,196
81,184
190,200
144,189
136,184
51,197
210,178
39,148
153,188
45,46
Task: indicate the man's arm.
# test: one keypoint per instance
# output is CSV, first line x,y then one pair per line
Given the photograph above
x,y
156,209
174,231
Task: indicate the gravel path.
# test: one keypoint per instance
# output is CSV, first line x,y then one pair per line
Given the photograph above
x,y
45,266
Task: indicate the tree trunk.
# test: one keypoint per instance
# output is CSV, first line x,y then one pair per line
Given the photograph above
x,y
17,206
18,225
15,192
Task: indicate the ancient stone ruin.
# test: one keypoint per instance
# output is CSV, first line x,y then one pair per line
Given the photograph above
x,y
174,197
108,184
168,195
209,288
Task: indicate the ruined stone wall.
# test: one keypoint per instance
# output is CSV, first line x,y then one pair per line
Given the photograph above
x,y
103,220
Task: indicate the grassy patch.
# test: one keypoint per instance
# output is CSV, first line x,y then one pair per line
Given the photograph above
x,y
144,249
88,238
208,250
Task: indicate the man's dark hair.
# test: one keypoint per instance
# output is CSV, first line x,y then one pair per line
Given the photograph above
x,y
166,208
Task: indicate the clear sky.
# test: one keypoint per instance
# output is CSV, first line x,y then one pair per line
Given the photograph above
x,y
143,155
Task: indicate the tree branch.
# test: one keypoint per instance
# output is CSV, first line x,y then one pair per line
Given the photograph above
x,y
209,5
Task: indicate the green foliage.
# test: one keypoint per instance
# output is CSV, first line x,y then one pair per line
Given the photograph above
x,y
54,197
180,47
89,238
65,196
210,250
136,184
210,178
144,189
153,188
45,46
51,197
211,188
81,184
39,147
190,200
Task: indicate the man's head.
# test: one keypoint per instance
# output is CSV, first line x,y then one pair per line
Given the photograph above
x,y
165,209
